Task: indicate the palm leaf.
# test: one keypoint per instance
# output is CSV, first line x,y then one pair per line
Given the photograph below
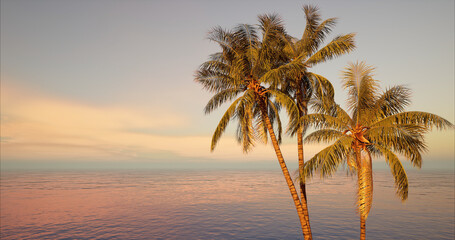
x,y
398,172
338,46
393,100
328,160
220,98
362,88
312,20
275,75
214,76
275,117
247,35
224,38
313,41
323,135
324,87
245,130
224,122
318,120
321,106
406,139
288,103
272,43
424,119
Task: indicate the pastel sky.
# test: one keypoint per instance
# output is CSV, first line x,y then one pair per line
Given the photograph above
x,y
110,82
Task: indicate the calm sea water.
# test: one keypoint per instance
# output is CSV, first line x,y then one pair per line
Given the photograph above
x,y
215,205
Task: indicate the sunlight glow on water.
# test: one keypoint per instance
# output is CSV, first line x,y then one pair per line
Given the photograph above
x,y
215,205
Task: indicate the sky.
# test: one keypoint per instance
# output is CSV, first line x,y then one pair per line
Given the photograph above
x,y
110,84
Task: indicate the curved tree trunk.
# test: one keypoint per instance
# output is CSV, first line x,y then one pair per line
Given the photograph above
x,y
303,196
303,110
287,176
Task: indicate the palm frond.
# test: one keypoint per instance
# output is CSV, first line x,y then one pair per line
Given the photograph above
x,y
216,66
321,32
313,41
224,38
224,122
213,82
323,94
274,108
338,46
393,100
341,114
214,76
288,103
406,139
362,89
246,36
322,106
351,163
398,172
220,98
326,162
271,26
324,88
312,20
240,68
307,44
273,32
424,119
277,74
245,130
318,120
323,135
289,49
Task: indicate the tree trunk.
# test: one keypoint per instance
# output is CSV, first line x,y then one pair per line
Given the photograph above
x,y
357,150
303,196
286,174
303,110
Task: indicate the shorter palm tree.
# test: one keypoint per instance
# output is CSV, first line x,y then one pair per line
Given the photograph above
x,y
377,127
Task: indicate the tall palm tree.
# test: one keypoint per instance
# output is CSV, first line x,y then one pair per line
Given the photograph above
x,y
247,72
303,84
377,127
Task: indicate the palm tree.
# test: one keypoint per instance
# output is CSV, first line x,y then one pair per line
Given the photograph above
x,y
378,127
247,72
302,84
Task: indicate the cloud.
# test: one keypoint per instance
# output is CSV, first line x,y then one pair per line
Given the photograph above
x,y
39,127
35,126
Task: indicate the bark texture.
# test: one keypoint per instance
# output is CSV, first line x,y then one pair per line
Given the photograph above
x,y
303,110
362,228
287,176
303,196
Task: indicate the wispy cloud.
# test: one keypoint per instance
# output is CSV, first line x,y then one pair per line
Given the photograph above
x,y
35,126
40,127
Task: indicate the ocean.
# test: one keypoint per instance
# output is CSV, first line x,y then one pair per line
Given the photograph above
x,y
216,204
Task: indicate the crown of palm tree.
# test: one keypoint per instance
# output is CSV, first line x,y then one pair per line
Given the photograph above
x,y
247,71
377,127
303,84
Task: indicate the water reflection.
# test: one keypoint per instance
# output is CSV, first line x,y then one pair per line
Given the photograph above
x,y
214,205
